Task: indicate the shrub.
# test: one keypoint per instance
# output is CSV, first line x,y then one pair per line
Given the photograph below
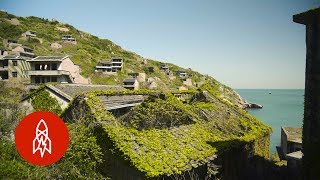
x,y
9,31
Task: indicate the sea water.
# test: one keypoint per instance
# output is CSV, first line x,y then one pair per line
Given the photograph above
x,y
281,107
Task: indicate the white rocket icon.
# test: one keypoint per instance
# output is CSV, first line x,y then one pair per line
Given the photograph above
x,y
42,142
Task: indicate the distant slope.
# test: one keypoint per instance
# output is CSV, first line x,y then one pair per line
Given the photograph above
x,y
90,49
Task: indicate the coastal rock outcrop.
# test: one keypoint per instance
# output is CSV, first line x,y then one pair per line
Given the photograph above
x,y
244,104
253,106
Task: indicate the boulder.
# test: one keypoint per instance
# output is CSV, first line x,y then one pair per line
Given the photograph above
x,y
253,106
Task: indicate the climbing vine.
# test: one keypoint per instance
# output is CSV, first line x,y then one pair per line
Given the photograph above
x,y
42,101
166,150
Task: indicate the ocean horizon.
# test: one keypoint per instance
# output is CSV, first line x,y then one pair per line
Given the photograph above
x,y
281,108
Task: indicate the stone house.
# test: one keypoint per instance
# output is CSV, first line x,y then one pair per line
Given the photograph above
x,y
291,139
131,83
104,66
291,146
182,74
25,51
11,41
3,53
133,75
164,67
55,69
188,151
14,67
69,39
141,77
110,66
64,93
187,82
29,33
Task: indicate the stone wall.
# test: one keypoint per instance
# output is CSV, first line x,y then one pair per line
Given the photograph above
x,y
68,65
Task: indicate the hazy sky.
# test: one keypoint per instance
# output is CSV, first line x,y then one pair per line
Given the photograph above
x,y
244,44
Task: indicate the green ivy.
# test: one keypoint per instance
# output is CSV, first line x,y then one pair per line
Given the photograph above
x,y
42,101
155,112
165,150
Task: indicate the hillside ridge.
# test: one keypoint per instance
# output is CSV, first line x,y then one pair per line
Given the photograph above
x,y
89,50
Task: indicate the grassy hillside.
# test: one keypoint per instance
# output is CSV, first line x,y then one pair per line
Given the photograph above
x,y
90,49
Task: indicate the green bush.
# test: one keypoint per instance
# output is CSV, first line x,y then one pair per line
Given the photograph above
x,y
83,154
9,31
79,162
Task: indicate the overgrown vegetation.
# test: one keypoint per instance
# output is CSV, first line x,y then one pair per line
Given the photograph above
x,y
155,146
163,111
80,161
42,101
11,111
162,136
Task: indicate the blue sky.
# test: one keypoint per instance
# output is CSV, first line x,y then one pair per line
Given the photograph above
x,y
244,44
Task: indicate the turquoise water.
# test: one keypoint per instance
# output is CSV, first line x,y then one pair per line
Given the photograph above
x,y
280,108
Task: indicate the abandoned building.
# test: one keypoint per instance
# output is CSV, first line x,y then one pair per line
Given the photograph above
x,y
54,69
291,145
3,53
141,77
182,74
291,139
68,39
164,67
10,41
133,75
64,93
311,120
14,67
117,63
186,151
131,83
110,66
104,66
188,82
25,51
29,33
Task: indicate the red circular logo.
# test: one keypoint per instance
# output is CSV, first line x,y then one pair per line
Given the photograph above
x,y
42,138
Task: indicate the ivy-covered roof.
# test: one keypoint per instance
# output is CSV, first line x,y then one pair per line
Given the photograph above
x,y
173,150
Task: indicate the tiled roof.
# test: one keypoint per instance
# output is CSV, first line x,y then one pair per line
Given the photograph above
x,y
123,100
49,58
72,90
12,57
